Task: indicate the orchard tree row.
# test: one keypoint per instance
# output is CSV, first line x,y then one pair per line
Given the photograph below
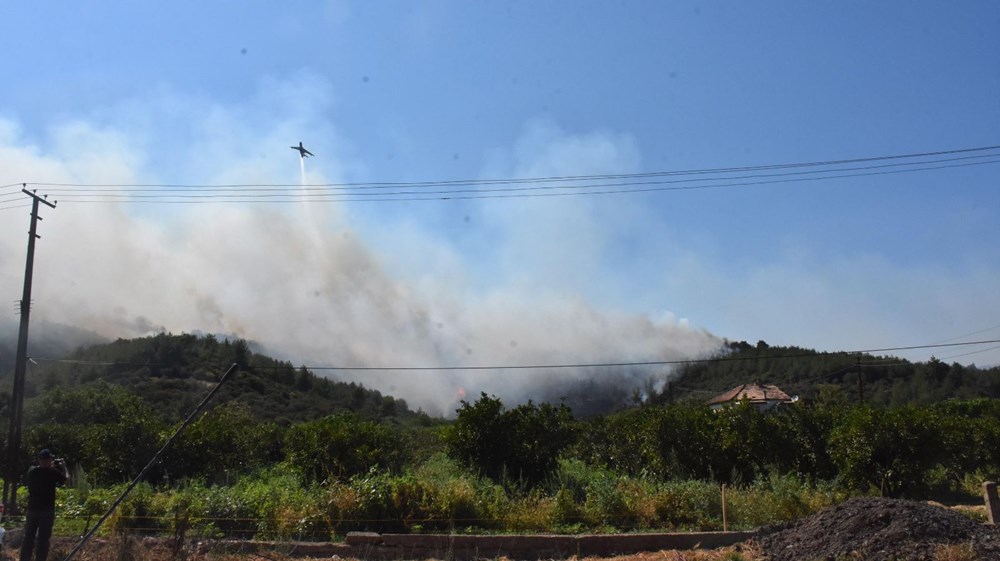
x,y
108,435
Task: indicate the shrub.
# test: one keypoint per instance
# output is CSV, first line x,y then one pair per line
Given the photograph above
x,y
778,499
565,514
890,451
342,446
689,505
606,503
281,507
518,445
137,513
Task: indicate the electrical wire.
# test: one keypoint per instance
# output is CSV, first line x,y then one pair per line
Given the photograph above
x,y
124,188
604,184
454,195
558,366
235,193
949,357
569,177
977,332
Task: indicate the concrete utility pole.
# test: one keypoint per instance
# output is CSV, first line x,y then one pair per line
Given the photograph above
x,y
13,471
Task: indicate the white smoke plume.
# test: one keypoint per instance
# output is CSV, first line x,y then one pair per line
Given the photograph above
x,y
509,283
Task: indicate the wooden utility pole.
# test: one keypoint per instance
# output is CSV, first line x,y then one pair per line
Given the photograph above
x,y
13,471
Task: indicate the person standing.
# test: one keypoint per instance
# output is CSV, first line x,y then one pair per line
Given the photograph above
x,y
41,482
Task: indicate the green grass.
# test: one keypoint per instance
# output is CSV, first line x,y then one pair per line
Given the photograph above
x,y
439,496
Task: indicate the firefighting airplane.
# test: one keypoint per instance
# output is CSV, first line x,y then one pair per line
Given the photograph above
x,y
303,153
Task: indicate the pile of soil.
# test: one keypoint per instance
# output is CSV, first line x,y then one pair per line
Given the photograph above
x,y
877,529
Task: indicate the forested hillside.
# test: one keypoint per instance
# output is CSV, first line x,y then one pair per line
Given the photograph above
x,y
831,377
345,458
173,373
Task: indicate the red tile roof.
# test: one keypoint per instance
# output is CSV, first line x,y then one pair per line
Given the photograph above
x,y
752,393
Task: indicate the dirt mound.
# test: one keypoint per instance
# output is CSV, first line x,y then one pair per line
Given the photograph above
x,y
877,529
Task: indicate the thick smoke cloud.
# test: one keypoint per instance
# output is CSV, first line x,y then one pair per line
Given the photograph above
x,y
328,284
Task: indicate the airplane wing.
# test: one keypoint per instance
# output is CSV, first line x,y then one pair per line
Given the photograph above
x,y
306,152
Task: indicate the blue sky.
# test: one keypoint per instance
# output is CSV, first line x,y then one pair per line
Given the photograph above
x,y
214,93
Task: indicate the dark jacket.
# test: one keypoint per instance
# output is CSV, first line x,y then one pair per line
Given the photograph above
x,y
41,483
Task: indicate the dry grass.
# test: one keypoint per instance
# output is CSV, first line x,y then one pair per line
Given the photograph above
x,y
955,552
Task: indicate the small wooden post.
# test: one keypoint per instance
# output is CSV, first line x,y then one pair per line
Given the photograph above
x,y
992,502
725,525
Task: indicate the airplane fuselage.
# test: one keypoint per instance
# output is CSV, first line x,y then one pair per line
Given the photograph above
x,y
303,153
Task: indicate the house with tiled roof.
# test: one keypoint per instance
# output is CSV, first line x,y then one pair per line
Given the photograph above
x,y
763,396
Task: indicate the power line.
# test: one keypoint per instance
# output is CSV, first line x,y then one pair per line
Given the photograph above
x,y
562,365
930,346
977,332
827,374
149,191
465,194
949,357
561,177
130,188
604,184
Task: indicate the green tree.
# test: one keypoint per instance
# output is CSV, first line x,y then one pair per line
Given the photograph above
x,y
746,442
686,442
887,450
521,444
227,441
970,438
624,442
801,435
106,430
343,445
